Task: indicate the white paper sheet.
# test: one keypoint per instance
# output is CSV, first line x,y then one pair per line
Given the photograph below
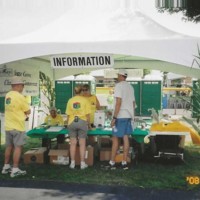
x,y
54,129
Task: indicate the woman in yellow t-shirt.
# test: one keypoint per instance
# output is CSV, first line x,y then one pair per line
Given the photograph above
x,y
78,120
94,102
95,105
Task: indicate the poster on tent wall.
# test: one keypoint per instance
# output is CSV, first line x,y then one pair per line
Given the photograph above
x,y
28,74
97,61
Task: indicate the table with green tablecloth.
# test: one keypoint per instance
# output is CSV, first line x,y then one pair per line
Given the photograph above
x,y
53,132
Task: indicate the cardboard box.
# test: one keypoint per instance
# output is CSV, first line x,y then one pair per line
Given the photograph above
x,y
64,146
119,158
35,155
105,142
59,156
89,156
105,155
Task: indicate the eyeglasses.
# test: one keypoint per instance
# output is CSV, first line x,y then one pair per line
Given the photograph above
x,y
85,90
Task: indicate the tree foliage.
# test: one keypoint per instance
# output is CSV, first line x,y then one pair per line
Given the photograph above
x,y
189,8
46,87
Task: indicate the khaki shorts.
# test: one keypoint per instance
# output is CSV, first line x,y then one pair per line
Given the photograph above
x,y
78,129
16,138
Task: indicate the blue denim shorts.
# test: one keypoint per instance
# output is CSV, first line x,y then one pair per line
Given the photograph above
x,y
122,127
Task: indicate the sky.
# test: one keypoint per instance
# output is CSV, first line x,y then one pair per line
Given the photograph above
x,y
42,13
173,22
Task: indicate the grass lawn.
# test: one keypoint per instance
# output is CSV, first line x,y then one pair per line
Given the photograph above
x,y
146,174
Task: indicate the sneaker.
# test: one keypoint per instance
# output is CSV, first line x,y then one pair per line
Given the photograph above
x,y
111,167
72,166
6,170
17,173
124,167
84,166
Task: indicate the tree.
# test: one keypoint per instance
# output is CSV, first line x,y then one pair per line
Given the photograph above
x,y
189,8
195,98
46,87
194,103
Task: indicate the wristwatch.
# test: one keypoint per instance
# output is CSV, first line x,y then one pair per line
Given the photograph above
x,y
114,117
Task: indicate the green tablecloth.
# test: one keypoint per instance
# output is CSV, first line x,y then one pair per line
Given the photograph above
x,y
42,132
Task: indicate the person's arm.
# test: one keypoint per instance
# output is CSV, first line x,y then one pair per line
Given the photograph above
x,y
28,112
134,108
116,111
61,120
88,120
24,105
67,120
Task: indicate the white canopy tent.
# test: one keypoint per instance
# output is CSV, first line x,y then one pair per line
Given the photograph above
x,y
31,31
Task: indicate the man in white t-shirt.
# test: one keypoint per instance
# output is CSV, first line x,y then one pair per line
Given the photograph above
x,y
123,115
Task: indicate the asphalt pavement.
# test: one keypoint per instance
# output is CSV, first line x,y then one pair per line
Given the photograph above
x,y
50,190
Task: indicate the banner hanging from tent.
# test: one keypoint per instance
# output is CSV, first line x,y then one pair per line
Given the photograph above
x,y
28,74
82,61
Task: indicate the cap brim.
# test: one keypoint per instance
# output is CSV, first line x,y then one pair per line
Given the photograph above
x,y
123,74
20,83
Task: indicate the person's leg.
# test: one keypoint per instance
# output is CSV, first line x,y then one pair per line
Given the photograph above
x,y
82,143
115,146
7,168
125,147
82,134
18,141
16,156
9,147
8,153
73,142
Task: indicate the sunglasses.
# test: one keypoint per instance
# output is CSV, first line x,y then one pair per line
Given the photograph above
x,y
85,90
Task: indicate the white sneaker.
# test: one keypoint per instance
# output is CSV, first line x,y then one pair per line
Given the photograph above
x,y
72,166
17,173
6,170
84,166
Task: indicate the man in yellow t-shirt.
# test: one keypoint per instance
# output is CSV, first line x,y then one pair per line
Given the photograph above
x,y
78,119
16,111
54,119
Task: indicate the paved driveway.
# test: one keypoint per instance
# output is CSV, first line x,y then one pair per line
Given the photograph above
x,y
35,190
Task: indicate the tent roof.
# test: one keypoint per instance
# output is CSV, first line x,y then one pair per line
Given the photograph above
x,y
77,26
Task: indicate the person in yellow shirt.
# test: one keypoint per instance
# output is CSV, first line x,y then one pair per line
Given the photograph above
x,y
54,119
16,111
95,105
94,102
78,120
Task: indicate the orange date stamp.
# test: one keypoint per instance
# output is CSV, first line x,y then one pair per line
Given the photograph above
x,y
193,180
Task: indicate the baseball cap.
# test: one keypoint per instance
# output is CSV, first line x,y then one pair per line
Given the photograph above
x,y
53,108
16,80
122,72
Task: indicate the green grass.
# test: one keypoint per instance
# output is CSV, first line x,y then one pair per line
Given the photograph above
x,y
146,174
